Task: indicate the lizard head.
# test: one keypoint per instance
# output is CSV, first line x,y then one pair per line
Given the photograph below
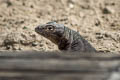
x,y
51,30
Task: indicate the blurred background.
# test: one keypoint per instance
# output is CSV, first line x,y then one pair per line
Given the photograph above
x,y
98,21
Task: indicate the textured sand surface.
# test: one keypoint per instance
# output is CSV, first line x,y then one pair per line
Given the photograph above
x,y
98,21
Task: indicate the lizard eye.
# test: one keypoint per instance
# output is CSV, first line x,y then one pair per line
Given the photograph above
x,y
50,28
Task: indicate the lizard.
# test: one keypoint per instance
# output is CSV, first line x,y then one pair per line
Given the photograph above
x,y
66,38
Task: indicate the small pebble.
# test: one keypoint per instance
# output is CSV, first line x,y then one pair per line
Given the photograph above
x,y
34,44
71,5
108,10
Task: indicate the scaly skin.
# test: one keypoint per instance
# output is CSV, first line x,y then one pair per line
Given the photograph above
x,y
64,37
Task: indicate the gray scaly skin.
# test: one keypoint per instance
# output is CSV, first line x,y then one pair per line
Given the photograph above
x,y
64,37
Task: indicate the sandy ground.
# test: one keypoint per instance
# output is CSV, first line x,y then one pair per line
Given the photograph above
x,y
98,21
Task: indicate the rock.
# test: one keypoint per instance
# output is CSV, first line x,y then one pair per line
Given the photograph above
x,y
71,5
108,10
34,44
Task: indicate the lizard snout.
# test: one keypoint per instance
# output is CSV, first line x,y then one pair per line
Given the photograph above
x,y
37,29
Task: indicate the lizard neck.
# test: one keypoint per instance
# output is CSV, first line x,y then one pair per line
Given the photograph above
x,y
63,44
65,41
68,34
